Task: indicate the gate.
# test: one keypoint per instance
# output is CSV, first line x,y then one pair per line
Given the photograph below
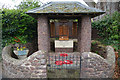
x,y
64,65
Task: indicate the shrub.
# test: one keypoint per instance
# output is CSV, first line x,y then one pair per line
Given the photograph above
x,y
108,29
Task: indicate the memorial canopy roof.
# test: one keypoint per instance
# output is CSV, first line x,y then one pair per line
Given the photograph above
x,y
65,7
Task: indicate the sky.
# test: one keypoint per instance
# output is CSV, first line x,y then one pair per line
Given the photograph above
x,y
11,3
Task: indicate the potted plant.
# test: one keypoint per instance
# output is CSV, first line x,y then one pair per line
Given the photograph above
x,y
20,50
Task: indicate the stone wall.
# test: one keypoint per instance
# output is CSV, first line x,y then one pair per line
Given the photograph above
x,y
94,66
108,7
110,55
32,67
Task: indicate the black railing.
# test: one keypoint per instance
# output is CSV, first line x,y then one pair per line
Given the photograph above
x,y
71,61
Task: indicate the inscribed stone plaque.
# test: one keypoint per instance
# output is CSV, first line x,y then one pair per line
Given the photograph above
x,y
64,44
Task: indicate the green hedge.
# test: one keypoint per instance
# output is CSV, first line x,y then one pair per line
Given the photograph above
x,y
16,23
109,29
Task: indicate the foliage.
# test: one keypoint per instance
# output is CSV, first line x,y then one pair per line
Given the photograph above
x,y
27,5
108,29
98,47
19,40
94,42
16,23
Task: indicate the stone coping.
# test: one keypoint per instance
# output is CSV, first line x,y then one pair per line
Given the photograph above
x,y
7,50
94,55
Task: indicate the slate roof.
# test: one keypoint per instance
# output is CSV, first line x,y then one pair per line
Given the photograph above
x,y
65,7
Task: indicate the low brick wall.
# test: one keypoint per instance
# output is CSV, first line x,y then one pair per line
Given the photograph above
x,y
32,67
94,66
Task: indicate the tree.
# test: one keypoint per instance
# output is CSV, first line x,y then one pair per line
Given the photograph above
x,y
16,23
28,4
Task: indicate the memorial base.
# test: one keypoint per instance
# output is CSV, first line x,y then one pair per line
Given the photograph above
x,y
63,49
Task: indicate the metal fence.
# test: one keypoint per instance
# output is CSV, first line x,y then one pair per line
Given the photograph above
x,y
57,61
64,66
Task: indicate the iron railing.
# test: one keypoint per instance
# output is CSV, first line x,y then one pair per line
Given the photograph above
x,y
75,61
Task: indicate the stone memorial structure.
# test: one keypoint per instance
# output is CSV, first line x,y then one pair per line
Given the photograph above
x,y
62,12
63,21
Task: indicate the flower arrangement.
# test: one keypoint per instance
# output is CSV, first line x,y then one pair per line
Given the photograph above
x,y
64,55
59,62
65,61
18,41
21,48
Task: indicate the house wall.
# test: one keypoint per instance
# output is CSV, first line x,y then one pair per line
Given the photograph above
x,y
108,7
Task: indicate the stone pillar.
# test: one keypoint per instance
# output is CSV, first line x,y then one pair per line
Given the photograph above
x,y
79,34
43,34
84,34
